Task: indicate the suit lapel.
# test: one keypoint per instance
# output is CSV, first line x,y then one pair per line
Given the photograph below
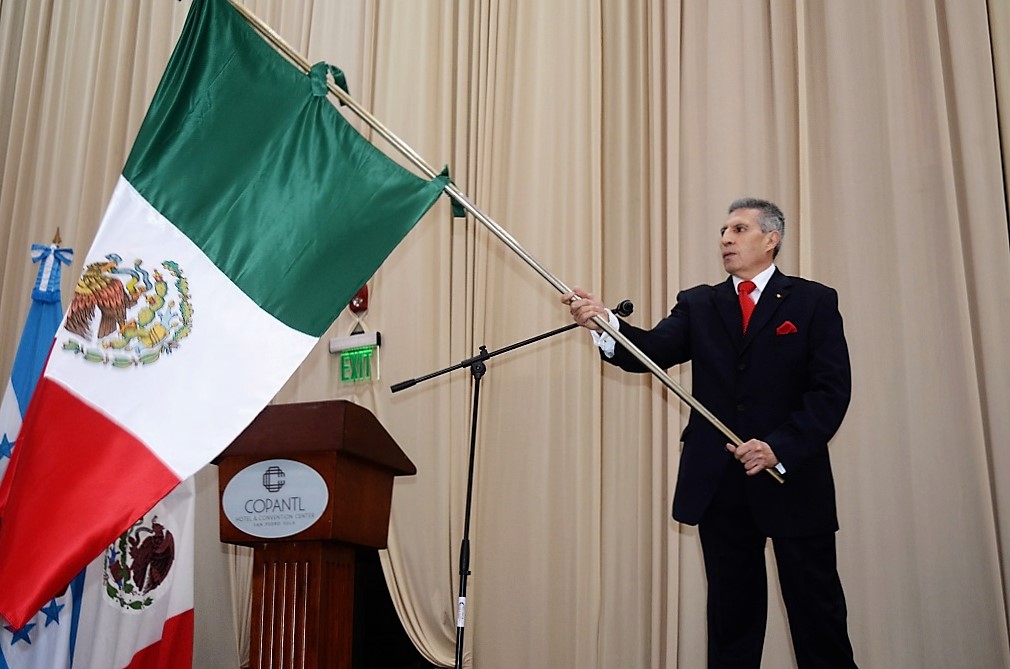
x,y
728,305
772,297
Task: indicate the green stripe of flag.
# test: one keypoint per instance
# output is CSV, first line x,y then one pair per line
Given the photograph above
x,y
279,191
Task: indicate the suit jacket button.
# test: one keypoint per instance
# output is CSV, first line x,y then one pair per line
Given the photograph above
x,y
740,407
742,366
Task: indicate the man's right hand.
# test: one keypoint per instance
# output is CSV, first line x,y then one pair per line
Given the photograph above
x,y
584,306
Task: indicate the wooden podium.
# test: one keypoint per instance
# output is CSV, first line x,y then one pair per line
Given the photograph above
x,y
303,576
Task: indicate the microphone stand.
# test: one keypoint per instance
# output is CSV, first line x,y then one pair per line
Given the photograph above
x,y
477,369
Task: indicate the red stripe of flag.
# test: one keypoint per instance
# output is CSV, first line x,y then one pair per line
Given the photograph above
x,y
77,472
174,650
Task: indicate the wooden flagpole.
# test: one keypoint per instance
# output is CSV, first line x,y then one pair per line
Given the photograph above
x,y
452,191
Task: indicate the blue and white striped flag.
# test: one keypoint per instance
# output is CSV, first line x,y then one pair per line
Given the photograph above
x,y
47,640
44,318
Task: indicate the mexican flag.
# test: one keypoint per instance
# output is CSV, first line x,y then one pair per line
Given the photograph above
x,y
247,215
137,600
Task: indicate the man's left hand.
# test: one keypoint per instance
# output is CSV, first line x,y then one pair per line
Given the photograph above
x,y
755,456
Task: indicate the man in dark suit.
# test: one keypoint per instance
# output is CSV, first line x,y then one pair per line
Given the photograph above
x,y
770,361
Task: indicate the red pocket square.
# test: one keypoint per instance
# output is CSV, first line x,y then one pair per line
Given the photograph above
x,y
786,328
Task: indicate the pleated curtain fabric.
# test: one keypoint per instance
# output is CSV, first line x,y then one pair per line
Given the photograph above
x,y
608,139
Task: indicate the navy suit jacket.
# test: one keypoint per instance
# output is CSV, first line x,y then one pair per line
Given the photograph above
x,y
788,388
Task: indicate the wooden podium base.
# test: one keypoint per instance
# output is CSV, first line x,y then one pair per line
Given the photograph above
x,y
303,580
302,595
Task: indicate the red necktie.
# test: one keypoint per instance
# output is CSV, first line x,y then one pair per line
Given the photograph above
x,y
746,303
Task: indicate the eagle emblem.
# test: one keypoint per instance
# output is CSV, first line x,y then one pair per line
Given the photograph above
x,y
126,315
138,563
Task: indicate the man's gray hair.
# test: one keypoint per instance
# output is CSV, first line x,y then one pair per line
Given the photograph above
x,y
770,218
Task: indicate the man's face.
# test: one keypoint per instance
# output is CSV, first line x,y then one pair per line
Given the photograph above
x,y
746,250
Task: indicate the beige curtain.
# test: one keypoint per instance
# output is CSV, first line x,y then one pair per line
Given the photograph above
x,y
608,138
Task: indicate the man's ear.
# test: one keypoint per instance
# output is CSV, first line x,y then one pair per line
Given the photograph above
x,y
774,237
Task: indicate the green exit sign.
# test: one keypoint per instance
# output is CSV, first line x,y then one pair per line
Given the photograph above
x,y
359,364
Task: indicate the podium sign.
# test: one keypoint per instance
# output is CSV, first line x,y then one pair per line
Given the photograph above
x,y
304,485
272,499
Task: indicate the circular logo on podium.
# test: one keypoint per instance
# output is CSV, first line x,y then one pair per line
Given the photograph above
x,y
275,498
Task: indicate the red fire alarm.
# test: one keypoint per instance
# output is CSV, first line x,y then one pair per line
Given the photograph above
x,y
359,303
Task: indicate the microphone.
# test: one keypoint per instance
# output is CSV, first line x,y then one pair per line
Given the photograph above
x,y
624,309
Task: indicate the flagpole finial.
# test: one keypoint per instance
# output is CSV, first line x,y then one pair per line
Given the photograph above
x,y
56,237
